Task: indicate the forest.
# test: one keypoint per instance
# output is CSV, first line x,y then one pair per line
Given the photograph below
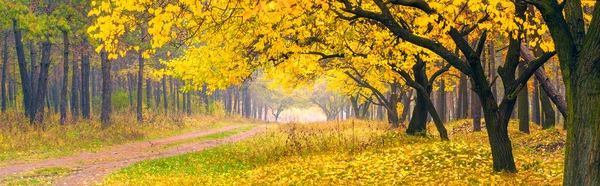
x,y
300,92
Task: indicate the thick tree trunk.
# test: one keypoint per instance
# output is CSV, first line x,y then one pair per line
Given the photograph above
x,y
523,102
464,91
492,66
476,110
418,121
106,90
65,79
4,71
75,83
85,81
535,105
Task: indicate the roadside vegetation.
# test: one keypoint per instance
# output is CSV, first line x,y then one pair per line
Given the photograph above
x,y
357,153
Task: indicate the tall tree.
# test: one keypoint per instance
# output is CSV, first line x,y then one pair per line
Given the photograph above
x,y
4,70
75,88
106,90
65,78
85,80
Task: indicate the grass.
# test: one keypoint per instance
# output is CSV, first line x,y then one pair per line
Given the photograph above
x,y
21,142
356,153
219,135
43,176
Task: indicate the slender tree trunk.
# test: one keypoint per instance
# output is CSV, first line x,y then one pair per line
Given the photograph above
x,y
189,104
34,67
523,102
25,78
75,83
65,79
106,90
547,111
42,86
535,105
85,81
4,71
130,89
164,93
441,106
140,88
149,93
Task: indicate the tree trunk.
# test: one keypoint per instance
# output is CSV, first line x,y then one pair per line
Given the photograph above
x,y
149,93
535,105
492,66
464,112
75,83
441,106
130,89
476,110
25,78
42,86
106,90
140,87
523,102
189,104
247,104
4,71
548,119
33,68
164,93
85,81
65,79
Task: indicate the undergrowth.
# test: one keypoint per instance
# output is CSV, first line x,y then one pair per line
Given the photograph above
x,y
356,153
20,141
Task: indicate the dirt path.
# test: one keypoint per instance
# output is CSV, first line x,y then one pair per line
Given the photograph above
x,y
91,167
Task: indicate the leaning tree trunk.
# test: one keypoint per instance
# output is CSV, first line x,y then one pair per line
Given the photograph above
x,y
106,90
65,79
25,79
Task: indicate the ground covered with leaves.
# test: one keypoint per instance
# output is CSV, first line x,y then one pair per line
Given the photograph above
x,y
357,153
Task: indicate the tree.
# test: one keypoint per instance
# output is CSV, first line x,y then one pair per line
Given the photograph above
x,y
579,62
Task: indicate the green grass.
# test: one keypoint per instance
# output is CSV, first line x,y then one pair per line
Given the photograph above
x,y
43,176
219,135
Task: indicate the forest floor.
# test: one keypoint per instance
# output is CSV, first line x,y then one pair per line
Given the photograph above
x,y
89,168
356,152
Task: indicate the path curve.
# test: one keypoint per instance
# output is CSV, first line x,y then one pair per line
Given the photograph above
x,y
92,167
